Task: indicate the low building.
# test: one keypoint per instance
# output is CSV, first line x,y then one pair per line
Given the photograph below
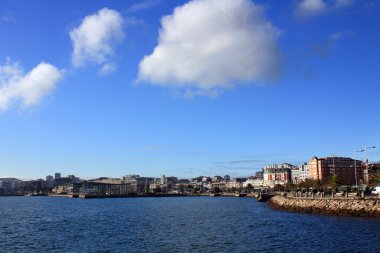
x,y
9,186
256,183
217,179
277,174
218,186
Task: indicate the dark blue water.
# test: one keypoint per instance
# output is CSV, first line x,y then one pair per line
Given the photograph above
x,y
183,224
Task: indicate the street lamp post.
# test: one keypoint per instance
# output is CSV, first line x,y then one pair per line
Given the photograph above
x,y
366,163
356,175
365,149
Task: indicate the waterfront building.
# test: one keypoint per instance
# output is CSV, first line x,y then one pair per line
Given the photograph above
x,y
295,175
217,179
105,187
323,168
57,175
59,180
259,174
162,179
8,185
218,186
206,179
256,183
49,181
171,180
183,181
277,174
155,187
234,185
303,171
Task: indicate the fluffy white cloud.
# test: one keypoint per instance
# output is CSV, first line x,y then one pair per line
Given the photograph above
x,y
313,8
206,45
29,88
95,38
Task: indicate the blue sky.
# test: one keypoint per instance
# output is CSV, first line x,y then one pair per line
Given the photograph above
x,y
217,87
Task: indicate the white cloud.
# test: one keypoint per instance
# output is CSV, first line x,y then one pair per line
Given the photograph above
x,y
143,5
343,3
27,89
310,8
107,69
208,45
95,38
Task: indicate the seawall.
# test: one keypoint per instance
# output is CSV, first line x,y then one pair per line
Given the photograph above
x,y
338,207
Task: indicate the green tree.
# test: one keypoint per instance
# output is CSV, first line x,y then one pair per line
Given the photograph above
x,y
278,187
249,188
335,181
375,179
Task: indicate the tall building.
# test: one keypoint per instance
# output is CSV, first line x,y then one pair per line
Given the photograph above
x,y
162,179
57,175
344,167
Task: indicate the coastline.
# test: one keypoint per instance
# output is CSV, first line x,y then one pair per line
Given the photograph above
x,y
335,207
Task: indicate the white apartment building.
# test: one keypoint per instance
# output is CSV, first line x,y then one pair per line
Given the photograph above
x,y
303,172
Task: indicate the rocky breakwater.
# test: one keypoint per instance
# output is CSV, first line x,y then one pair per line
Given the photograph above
x,y
338,207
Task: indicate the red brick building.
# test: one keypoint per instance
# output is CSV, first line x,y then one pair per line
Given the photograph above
x,y
344,167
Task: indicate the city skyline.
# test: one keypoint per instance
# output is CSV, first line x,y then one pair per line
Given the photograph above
x,y
116,88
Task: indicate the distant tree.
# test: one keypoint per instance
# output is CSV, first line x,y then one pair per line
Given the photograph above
x,y
290,187
249,188
375,179
216,189
310,183
278,187
157,189
335,181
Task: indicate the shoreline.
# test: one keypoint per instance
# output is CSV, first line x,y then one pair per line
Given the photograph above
x,y
249,195
333,207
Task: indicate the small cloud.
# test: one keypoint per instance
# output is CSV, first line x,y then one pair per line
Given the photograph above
x,y
223,44
310,8
343,3
306,9
324,48
133,21
143,5
149,148
107,68
372,5
95,38
27,89
335,36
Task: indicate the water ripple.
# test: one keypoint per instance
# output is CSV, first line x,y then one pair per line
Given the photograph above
x,y
184,224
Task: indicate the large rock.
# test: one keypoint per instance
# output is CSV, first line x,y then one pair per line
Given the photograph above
x,y
339,207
